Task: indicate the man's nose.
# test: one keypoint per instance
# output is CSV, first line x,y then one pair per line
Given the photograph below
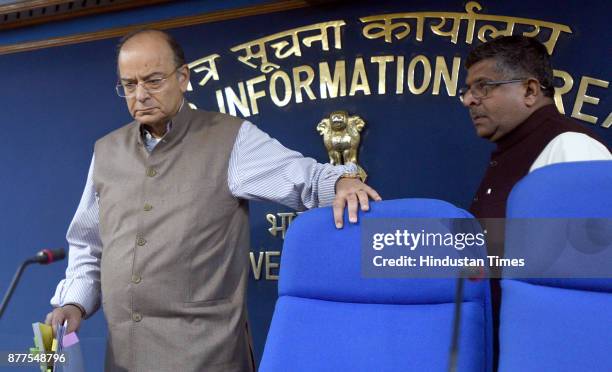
x,y
468,99
141,93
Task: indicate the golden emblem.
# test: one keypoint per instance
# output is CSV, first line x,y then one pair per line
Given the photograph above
x,y
341,138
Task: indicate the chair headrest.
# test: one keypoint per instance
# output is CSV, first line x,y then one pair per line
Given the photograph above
x,y
574,189
571,207
322,262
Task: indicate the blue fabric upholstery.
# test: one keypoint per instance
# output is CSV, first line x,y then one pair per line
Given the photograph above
x,y
576,189
330,318
554,329
559,324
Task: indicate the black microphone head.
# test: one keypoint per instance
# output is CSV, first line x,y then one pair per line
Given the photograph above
x,y
46,256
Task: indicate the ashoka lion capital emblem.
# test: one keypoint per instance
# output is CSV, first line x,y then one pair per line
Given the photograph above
x,y
341,138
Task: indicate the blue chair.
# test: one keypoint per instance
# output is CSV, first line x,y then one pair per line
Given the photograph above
x,y
557,324
328,317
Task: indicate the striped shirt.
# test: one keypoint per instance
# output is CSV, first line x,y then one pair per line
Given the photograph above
x,y
260,168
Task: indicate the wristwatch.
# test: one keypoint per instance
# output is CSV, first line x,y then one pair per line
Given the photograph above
x,y
353,175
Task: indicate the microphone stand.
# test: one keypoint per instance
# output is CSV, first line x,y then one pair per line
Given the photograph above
x,y
452,364
11,289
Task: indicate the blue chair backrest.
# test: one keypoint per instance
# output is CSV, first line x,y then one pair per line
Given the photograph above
x,y
329,317
575,189
555,323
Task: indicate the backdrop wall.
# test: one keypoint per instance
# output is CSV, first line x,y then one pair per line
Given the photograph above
x,y
56,102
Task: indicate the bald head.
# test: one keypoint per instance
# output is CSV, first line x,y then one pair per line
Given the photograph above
x,y
152,35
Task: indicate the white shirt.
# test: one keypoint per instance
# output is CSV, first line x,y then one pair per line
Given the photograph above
x,y
260,168
571,146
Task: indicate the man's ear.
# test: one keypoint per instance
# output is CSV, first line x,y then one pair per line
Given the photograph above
x,y
183,77
533,92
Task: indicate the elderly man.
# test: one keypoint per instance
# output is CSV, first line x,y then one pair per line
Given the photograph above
x,y
161,234
509,94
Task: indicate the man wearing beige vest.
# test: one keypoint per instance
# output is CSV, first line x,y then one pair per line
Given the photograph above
x,y
161,235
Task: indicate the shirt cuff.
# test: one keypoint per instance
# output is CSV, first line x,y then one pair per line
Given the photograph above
x,y
77,292
327,182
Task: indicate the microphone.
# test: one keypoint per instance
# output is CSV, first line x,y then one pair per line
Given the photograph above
x,y
47,256
44,257
473,274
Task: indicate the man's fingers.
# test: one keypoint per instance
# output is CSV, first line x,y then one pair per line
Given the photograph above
x,y
73,317
351,194
373,194
352,207
338,207
72,325
364,200
54,317
70,314
48,318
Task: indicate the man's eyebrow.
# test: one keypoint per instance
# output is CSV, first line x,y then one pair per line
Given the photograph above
x,y
479,79
147,77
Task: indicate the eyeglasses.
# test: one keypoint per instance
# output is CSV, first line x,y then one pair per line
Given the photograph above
x,y
481,89
128,89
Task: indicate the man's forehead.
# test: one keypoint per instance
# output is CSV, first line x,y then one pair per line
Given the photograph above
x,y
485,69
132,68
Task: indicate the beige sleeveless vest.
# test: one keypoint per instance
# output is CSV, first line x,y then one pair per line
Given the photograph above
x,y
175,248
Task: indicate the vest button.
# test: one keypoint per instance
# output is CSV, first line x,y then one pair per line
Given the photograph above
x,y
493,163
136,316
148,207
151,172
136,279
141,241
